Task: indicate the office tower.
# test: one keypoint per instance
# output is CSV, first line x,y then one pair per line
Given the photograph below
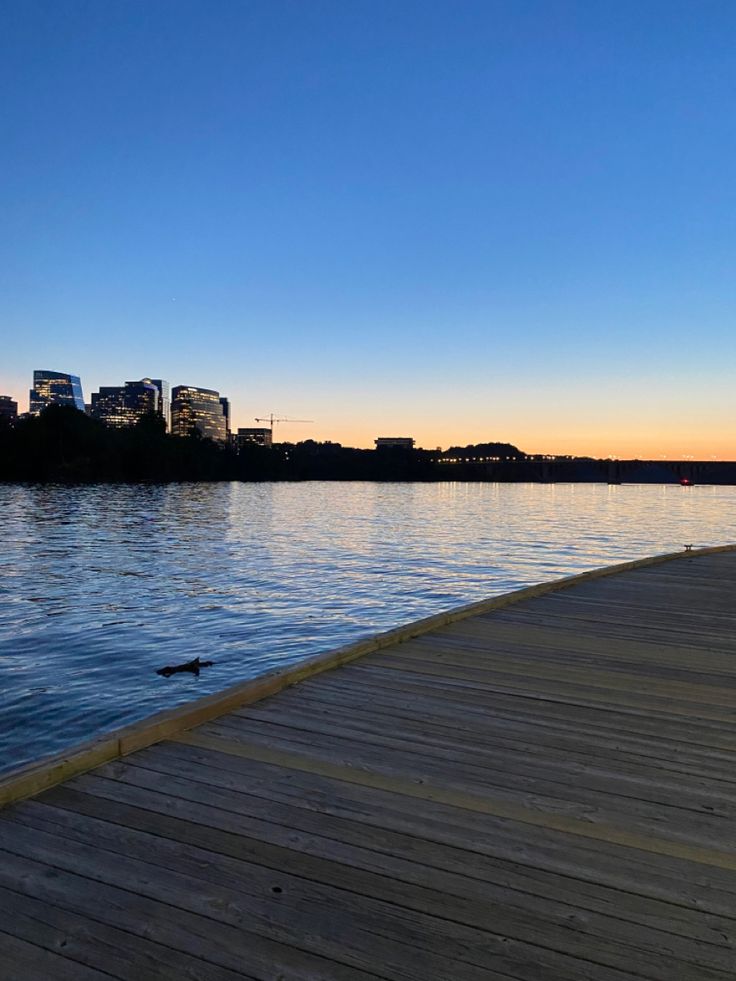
x,y
8,409
55,388
225,403
164,399
197,409
120,406
263,437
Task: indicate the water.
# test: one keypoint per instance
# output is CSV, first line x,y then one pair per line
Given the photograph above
x,y
101,585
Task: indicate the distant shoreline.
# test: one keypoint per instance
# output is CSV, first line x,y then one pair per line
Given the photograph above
x,y
63,445
626,472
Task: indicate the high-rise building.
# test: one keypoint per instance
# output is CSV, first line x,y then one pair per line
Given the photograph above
x,y
164,399
263,437
197,409
55,388
123,405
225,403
8,409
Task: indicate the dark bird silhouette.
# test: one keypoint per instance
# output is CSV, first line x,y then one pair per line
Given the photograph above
x,y
191,666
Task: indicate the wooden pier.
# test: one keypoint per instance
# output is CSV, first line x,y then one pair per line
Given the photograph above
x,y
538,788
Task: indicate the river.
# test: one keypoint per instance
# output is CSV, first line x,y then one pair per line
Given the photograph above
x,y
101,585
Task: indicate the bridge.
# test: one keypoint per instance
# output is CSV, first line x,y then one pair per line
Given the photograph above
x,y
585,470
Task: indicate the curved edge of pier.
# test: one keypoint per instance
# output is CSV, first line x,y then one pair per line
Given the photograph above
x,y
33,778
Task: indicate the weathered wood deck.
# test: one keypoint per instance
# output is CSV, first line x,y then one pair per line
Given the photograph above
x,y
543,792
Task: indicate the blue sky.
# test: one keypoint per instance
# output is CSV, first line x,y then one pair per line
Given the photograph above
x,y
452,220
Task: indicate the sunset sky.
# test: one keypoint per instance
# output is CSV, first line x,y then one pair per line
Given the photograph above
x,y
459,221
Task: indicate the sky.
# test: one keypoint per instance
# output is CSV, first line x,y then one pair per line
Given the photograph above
x,y
454,220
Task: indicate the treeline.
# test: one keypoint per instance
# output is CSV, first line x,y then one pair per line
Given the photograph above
x,y
486,451
62,444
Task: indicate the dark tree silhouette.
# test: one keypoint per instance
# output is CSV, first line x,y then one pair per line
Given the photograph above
x,y
63,444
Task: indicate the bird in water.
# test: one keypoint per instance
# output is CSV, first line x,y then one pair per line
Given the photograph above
x,y
191,666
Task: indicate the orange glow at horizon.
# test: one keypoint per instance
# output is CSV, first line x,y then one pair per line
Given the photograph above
x,y
626,425
627,420
579,413
651,445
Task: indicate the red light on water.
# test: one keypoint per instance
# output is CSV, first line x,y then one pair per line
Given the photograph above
x,y
686,482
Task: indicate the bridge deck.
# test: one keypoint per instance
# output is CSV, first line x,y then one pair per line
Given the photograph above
x,y
542,793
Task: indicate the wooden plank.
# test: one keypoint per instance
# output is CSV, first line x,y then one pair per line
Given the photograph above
x,y
527,731
706,734
234,947
332,923
23,961
530,687
573,820
600,651
689,698
580,626
694,785
424,718
487,903
499,789
502,924
84,941
593,632
389,820
662,629
609,787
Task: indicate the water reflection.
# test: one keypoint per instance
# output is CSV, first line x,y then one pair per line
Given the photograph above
x,y
99,586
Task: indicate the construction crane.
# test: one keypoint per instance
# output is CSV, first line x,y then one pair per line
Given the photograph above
x,y
273,419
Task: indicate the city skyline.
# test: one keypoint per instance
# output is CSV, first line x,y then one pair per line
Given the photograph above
x,y
470,222
220,405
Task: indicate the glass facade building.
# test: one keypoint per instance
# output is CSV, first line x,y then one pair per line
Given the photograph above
x,y
197,409
164,399
55,388
123,405
225,403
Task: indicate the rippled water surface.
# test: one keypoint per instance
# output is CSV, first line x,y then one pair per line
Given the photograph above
x,y
99,586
